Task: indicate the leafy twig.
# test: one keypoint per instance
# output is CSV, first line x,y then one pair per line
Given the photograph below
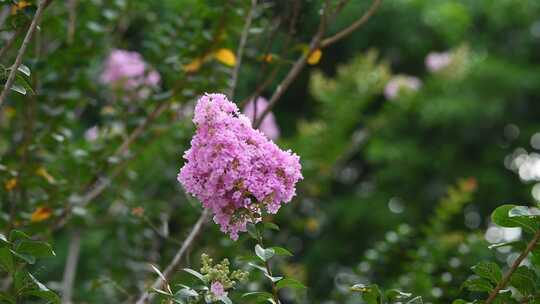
x,y
515,265
18,60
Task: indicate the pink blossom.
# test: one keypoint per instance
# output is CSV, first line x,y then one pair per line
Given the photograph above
x,y
233,169
399,83
91,134
217,289
438,61
129,72
268,126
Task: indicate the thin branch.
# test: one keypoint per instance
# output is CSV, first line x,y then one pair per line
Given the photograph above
x,y
72,21
515,265
22,49
197,228
241,46
315,44
295,70
353,27
70,270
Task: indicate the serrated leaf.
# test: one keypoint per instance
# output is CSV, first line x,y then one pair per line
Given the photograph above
x,y
524,280
488,270
502,218
264,254
195,273
281,251
290,283
478,284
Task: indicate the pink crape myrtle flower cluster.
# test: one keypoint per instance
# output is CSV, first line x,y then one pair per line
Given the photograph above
x,y
254,109
127,71
233,169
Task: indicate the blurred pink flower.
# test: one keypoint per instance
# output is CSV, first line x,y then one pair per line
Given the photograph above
x,y
399,83
233,169
217,289
91,134
438,61
268,126
129,72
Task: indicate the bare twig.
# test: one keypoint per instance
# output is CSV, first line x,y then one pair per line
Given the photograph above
x,y
22,49
353,27
515,265
241,46
72,22
70,270
197,228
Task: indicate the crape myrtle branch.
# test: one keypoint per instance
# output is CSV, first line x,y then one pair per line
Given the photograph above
x,y
18,60
502,284
316,42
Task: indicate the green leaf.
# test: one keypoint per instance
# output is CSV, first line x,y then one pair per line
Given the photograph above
x,y
524,280
524,211
371,294
161,292
24,257
196,274
273,279
459,301
37,249
488,270
415,300
225,300
290,283
271,226
18,88
16,235
281,251
261,268
253,231
24,69
6,259
478,284
186,293
4,297
395,294
3,240
257,295
502,218
264,254
41,291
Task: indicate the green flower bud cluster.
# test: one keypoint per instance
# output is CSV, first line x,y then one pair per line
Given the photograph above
x,y
221,272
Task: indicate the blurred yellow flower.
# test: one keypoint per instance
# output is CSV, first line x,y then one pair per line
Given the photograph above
x,y
10,184
19,6
41,214
225,56
193,66
314,57
43,173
